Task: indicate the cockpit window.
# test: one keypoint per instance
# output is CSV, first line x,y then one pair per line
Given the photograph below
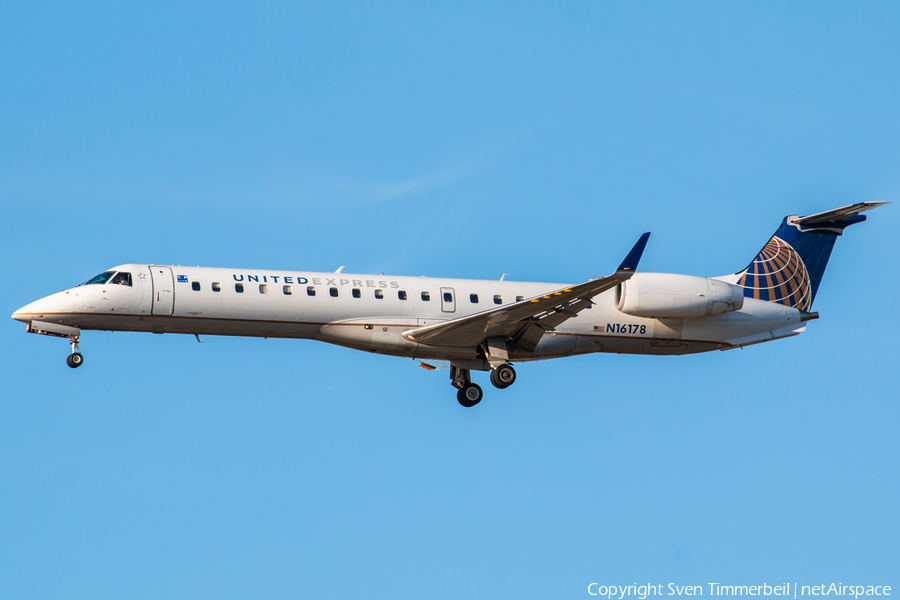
x,y
122,279
101,278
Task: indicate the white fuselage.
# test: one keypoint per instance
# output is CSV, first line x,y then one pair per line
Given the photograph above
x,y
325,307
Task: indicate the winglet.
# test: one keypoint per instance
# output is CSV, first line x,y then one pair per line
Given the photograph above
x,y
634,257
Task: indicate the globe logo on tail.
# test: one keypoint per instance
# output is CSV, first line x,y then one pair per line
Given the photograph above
x,y
778,275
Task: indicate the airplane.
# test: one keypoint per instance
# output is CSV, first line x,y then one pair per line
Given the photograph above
x,y
471,325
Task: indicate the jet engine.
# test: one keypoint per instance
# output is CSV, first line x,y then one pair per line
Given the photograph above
x,y
658,295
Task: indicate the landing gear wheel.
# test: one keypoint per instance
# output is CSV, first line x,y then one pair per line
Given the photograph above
x,y
503,376
75,360
469,395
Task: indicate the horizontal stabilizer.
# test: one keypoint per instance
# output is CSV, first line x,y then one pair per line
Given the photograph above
x,y
838,214
789,268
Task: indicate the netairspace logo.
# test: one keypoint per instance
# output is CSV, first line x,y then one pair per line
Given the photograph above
x,y
641,592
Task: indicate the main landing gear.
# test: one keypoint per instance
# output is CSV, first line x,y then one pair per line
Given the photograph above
x,y
503,376
469,394
75,359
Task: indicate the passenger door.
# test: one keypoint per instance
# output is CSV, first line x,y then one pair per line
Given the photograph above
x,y
163,291
448,300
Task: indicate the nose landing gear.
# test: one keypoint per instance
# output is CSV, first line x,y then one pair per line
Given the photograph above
x,y
75,359
73,334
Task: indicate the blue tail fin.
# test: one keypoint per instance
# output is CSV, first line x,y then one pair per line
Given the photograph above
x,y
790,266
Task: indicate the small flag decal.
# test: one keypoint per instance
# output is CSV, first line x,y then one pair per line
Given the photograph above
x,y
599,329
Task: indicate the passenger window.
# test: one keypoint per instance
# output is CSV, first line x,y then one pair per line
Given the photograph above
x,y
239,288
473,298
498,299
448,297
357,293
310,290
379,294
195,285
216,287
122,279
401,294
263,288
520,298
101,278
426,297
333,292
287,290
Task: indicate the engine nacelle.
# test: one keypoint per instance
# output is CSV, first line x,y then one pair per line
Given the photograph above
x,y
658,295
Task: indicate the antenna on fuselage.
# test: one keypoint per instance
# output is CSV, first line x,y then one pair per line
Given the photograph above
x,y
502,276
341,268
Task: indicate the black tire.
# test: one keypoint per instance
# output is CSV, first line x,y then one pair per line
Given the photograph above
x,y
75,360
469,395
503,376
496,382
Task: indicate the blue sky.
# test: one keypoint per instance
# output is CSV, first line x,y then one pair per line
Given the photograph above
x,y
464,140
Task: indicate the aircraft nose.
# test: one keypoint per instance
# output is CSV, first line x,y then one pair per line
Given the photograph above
x,y
24,314
38,308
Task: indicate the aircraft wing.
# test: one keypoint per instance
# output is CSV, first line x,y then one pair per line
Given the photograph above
x,y
523,323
